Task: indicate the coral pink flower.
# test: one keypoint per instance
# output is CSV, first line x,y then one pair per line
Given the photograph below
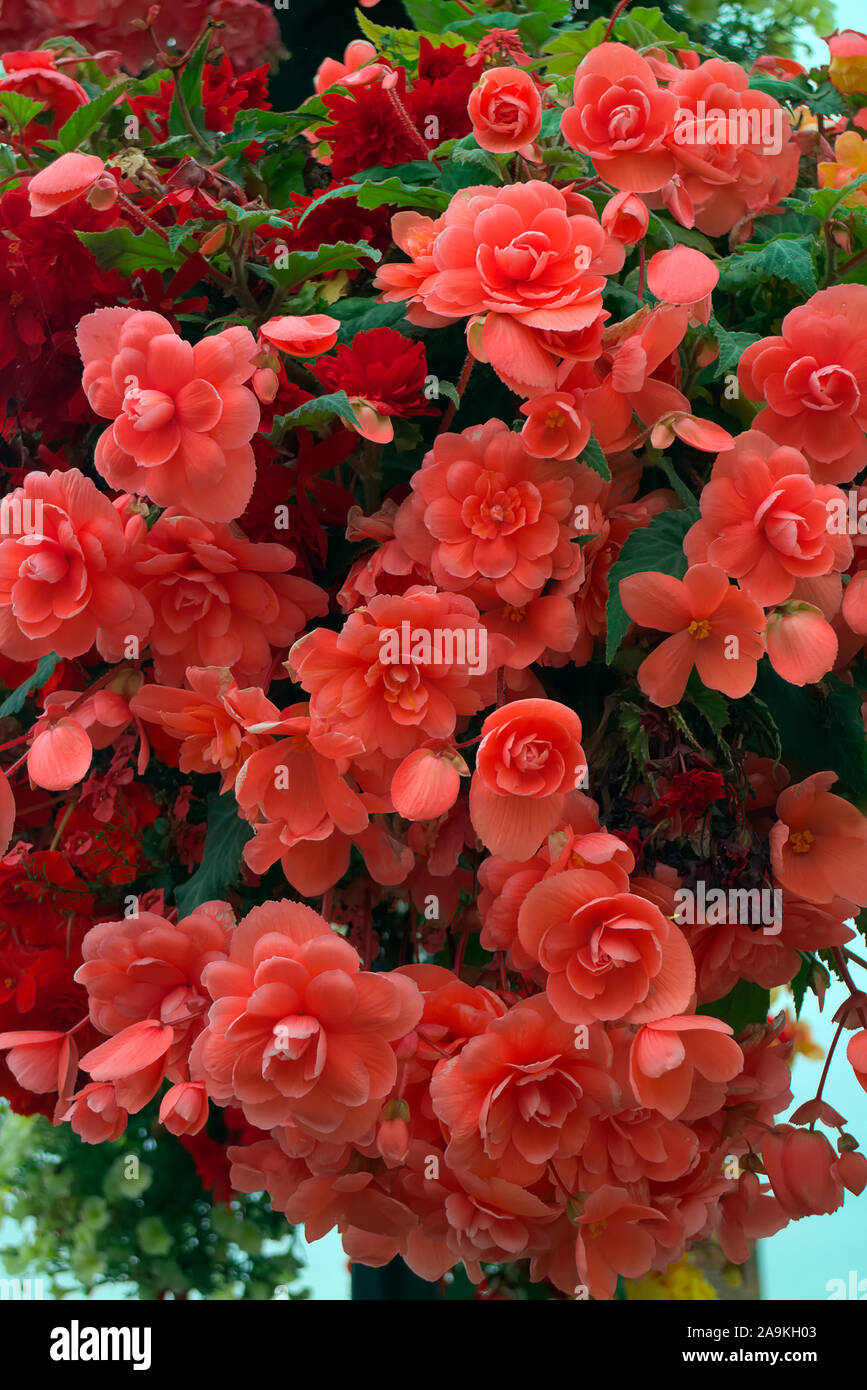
x,y
732,168
522,1093
855,603
620,118
182,418
681,275
212,718
401,671
765,521
64,572
505,108
94,1113
625,217
358,54
7,813
41,1060
146,968
545,623
219,599
300,335
35,75
134,1061
819,843
427,783
613,1239
848,66
667,1053
184,1108
529,760
523,257
800,1168
59,183
814,380
298,1031
802,645
485,512
59,755
749,1211
555,427
608,955
856,1052
717,629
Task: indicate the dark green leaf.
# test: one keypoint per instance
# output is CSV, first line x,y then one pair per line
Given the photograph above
x,y
123,250
220,868
83,122
14,702
658,546
745,1004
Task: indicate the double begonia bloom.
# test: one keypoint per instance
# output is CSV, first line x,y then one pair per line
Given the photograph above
x,y
485,512
847,68
522,1093
819,843
524,258
733,146
667,1053
147,968
608,955
400,671
34,74
505,108
813,377
800,1165
716,628
212,720
182,418
528,762
65,580
134,1061
764,521
219,599
621,118
297,1031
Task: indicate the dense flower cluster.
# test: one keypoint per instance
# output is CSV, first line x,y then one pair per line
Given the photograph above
x,y
554,709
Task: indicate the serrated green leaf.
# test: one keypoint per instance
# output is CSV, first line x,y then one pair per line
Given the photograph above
x,y
747,1003
389,192
123,250
18,109
658,546
14,702
316,412
220,868
83,122
732,346
594,458
306,265
785,258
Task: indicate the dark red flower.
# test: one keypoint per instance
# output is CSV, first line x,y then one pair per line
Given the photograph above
x,y
384,367
691,794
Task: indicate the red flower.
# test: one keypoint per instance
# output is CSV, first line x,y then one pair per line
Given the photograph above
x,y
383,367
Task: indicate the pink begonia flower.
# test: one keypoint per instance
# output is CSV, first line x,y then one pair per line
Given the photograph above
x,y
701,434
65,578
681,275
41,1061
94,1113
505,108
625,217
621,118
400,671
7,812
182,419
301,335
219,599
212,718
60,182
485,515
667,1052
134,1061
801,643
184,1108
529,760
298,1031
800,1168
555,427
427,783
60,755
613,1240
548,622
357,55
855,603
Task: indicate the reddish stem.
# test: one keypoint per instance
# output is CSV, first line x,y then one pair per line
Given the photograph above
x,y
621,6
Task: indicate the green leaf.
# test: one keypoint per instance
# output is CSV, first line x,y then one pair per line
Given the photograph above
x,y
316,412
220,868
687,236
710,703
820,729
122,250
14,702
686,495
390,192
594,458
358,315
189,81
263,126
745,1004
658,546
802,980
83,122
18,109
305,265
732,346
785,258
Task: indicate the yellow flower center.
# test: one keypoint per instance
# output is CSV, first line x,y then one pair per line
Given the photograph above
x,y
513,614
554,420
595,1229
699,628
801,841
